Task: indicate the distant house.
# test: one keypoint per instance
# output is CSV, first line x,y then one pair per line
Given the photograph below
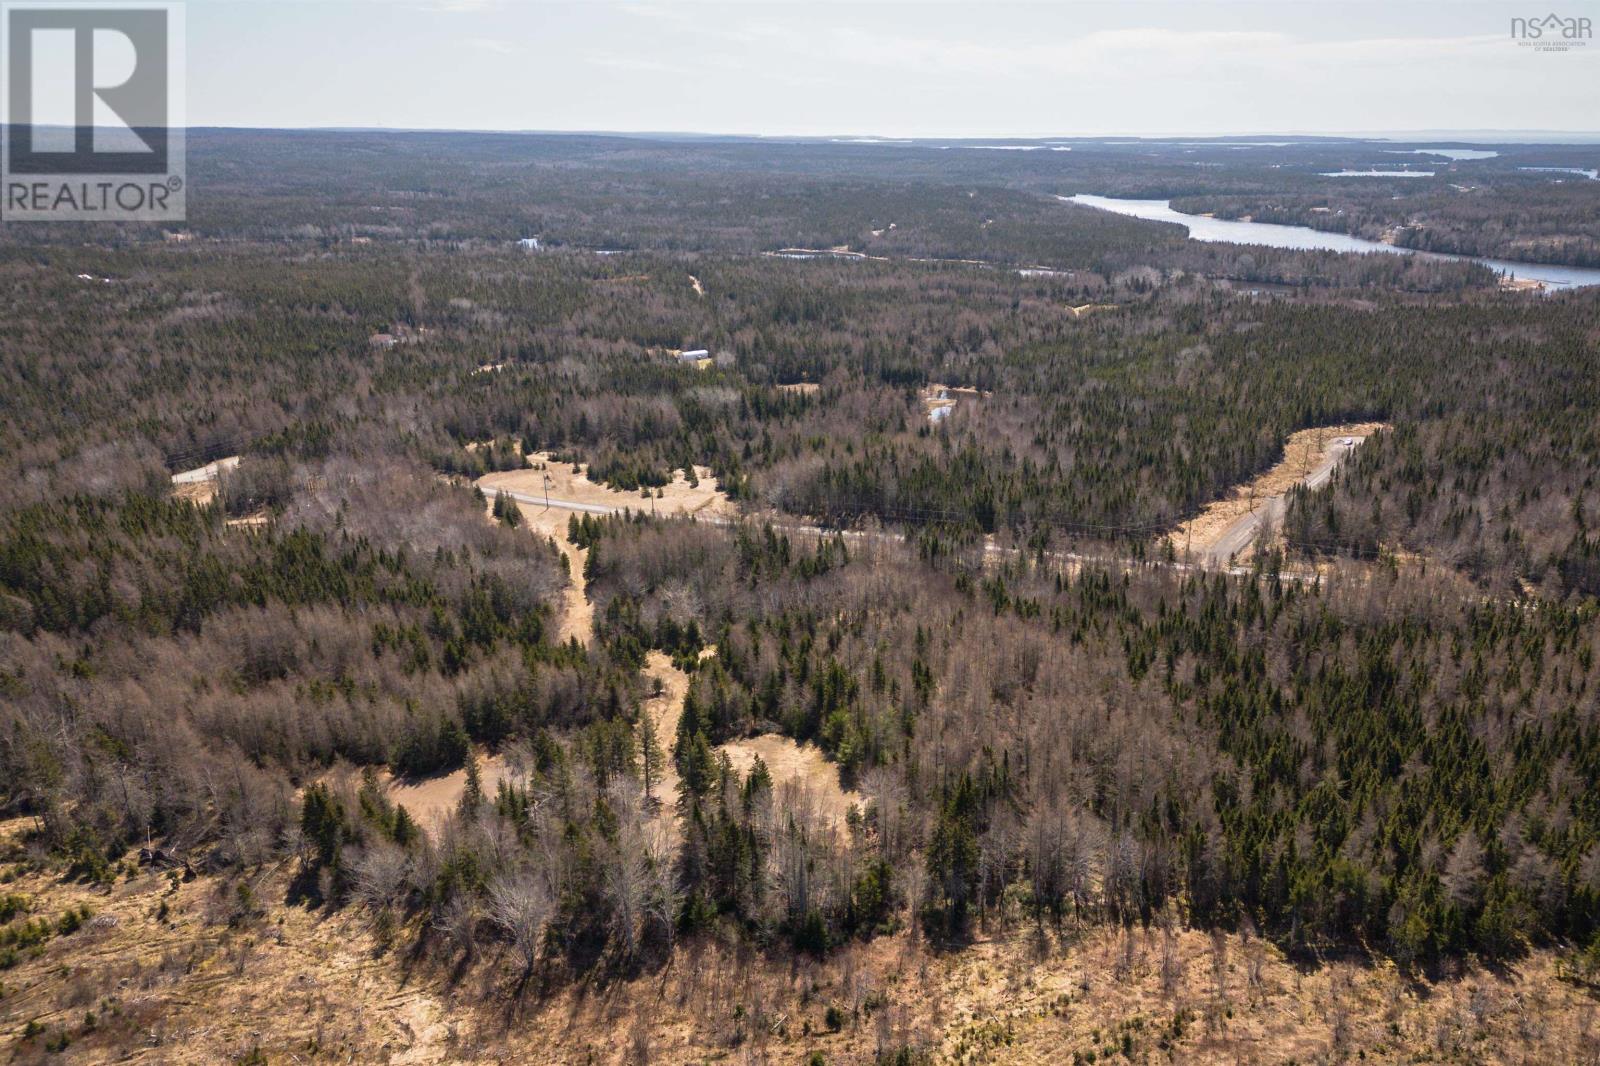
x,y
382,340
693,355
529,243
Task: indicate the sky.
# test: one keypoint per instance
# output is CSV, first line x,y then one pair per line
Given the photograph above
x,y
902,68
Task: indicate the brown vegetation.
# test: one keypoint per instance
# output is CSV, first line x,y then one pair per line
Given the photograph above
x,y
212,969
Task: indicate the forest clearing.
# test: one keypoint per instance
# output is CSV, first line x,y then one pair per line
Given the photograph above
x,y
1226,529
200,484
570,483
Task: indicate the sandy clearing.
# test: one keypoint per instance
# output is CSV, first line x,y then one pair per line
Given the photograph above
x,y
199,486
577,613
199,493
801,775
483,445
1511,283
805,388
939,400
569,482
664,711
430,800
1229,522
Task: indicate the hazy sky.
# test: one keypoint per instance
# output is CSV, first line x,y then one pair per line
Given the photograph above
x,y
898,68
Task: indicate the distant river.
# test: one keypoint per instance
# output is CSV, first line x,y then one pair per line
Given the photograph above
x,y
1231,231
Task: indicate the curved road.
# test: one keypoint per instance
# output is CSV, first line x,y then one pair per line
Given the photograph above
x,y
1242,532
1202,562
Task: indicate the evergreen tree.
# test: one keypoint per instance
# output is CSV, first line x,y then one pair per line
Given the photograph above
x,y
472,791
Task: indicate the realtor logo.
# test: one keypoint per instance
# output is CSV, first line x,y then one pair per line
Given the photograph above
x,y
93,102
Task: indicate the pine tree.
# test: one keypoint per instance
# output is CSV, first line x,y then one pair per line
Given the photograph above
x,y
506,510
406,831
953,857
322,825
472,793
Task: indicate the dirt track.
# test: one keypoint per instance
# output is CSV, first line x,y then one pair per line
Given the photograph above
x,y
799,772
1227,528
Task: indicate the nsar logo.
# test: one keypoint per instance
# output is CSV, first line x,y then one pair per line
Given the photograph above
x,y
1552,33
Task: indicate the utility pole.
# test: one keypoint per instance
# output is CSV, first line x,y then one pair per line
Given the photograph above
x,y
547,492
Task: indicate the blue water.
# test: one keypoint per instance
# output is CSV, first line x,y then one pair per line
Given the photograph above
x,y
1272,235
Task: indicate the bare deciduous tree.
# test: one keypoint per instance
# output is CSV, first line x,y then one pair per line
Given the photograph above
x,y
626,882
458,920
521,906
378,874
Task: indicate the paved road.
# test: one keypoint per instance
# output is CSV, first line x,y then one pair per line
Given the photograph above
x,y
1238,536
539,500
210,472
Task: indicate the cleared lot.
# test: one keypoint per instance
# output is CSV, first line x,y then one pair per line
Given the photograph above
x,y
1227,529
569,482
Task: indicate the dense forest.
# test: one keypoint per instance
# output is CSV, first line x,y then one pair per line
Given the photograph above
x,y
1398,756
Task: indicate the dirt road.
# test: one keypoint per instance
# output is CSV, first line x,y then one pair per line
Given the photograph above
x,y
1226,531
800,772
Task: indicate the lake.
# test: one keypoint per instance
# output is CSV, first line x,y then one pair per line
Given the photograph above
x,y
1377,173
1592,175
1272,235
1458,154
